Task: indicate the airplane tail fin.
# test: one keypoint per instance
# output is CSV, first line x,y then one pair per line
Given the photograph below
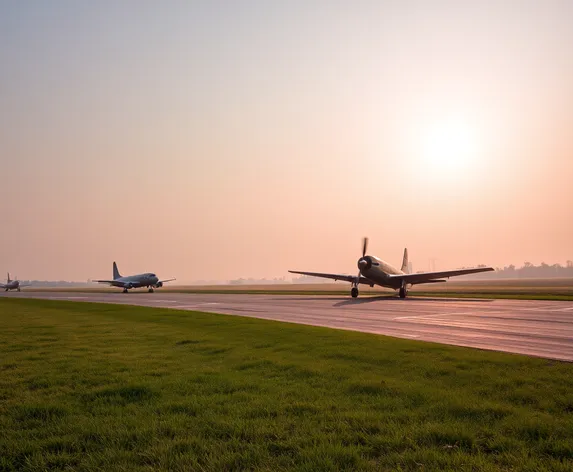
x,y
405,261
116,274
8,279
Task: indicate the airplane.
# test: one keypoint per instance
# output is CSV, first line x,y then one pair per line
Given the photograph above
x,y
12,284
148,280
373,271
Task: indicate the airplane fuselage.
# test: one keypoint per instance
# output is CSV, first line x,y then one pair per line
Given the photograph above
x,y
13,285
377,271
136,281
374,271
149,280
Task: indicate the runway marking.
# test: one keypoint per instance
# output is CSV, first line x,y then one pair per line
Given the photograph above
x,y
421,317
442,315
195,305
548,308
536,328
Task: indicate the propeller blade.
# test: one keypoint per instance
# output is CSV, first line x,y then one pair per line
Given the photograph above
x,y
364,246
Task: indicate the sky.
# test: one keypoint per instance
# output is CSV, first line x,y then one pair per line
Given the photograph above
x,y
212,140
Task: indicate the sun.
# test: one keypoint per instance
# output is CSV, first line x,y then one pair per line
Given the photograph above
x,y
449,148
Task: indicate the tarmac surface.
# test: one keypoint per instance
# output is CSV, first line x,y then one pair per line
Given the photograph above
x,y
536,328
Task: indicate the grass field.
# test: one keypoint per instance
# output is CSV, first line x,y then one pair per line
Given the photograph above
x,y
107,387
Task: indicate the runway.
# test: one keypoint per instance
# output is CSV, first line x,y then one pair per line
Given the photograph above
x,y
536,328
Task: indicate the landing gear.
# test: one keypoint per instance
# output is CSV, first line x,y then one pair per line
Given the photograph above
x,y
19,289
403,292
150,290
354,292
124,290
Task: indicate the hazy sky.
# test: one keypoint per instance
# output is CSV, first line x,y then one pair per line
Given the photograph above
x,y
215,140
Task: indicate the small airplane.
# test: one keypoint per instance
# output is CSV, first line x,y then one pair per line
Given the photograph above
x,y
148,280
373,271
12,284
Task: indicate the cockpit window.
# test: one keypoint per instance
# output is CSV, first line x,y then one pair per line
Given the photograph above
x,y
152,275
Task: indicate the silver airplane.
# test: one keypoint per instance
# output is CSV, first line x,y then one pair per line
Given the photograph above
x,y
373,271
12,284
148,280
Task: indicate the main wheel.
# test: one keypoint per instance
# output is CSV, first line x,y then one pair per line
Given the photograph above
x,y
354,292
150,290
124,290
403,292
19,289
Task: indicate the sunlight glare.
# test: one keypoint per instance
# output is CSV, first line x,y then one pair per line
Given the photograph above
x,y
449,149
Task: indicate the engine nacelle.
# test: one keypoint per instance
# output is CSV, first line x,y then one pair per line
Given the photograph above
x,y
128,286
159,284
365,263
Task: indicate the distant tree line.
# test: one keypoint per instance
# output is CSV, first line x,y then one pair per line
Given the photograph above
x,y
252,281
528,270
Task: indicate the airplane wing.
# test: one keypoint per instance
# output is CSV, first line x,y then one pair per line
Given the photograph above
x,y
347,278
25,285
168,280
431,277
111,282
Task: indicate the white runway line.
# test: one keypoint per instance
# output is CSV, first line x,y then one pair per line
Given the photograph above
x,y
195,305
421,317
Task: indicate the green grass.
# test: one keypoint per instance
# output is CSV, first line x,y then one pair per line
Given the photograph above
x,y
89,386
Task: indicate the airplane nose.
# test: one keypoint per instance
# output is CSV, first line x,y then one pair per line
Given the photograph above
x,y
362,264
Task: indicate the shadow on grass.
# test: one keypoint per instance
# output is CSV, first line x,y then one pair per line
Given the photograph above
x,y
121,395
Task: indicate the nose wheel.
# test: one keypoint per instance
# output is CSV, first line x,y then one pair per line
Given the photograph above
x,y
403,292
124,290
150,290
354,292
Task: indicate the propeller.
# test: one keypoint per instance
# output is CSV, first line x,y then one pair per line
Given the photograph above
x,y
364,248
